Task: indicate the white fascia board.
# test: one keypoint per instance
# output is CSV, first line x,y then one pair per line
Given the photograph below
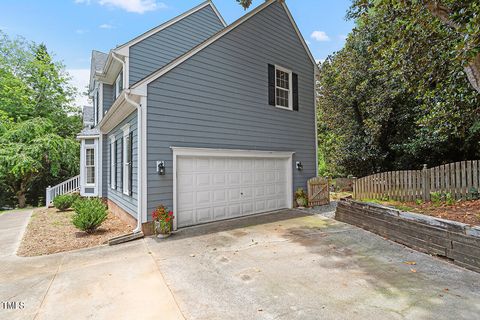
x,y
123,49
186,151
116,114
203,45
299,34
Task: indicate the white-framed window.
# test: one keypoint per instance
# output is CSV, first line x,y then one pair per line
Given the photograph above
x,y
283,88
113,166
119,85
127,153
90,166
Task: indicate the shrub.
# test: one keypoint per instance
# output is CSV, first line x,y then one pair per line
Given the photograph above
x,y
89,214
64,202
449,199
436,197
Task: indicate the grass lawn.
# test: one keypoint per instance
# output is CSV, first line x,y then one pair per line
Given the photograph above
x,y
51,231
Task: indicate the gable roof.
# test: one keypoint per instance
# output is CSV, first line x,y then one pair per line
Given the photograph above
x,y
97,63
219,35
171,22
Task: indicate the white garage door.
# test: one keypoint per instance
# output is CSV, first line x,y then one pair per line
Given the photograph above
x,y
216,188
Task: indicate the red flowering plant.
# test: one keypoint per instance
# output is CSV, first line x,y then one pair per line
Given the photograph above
x,y
162,219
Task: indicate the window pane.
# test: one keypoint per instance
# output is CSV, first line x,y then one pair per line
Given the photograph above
x,y
90,175
282,98
283,80
90,157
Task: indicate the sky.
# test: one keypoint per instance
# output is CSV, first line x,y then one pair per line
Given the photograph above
x,y
71,29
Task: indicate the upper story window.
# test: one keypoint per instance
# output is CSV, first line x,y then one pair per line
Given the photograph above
x,y
118,85
283,88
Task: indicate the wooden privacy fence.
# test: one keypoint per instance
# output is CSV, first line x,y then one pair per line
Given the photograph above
x,y
318,191
459,179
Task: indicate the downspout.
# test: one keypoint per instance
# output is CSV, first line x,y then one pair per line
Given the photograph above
x,y
140,140
138,106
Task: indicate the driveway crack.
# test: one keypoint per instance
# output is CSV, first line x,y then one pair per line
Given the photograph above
x,y
48,288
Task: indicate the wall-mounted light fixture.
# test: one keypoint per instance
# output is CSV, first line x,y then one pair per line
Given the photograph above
x,y
299,166
161,168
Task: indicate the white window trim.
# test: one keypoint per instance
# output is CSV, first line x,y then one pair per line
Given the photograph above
x,y
290,89
113,166
126,166
118,90
90,147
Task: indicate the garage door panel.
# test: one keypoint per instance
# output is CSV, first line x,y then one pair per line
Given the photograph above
x,y
202,164
219,196
203,197
216,188
219,179
204,215
234,194
234,178
220,213
203,180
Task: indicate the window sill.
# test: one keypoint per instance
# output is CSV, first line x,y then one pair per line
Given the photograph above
x,y
284,108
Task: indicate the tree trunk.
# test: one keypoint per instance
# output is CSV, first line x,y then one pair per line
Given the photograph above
x,y
473,72
21,199
443,13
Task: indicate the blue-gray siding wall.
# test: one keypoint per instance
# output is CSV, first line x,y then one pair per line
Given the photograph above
x,y
107,97
162,47
219,99
126,202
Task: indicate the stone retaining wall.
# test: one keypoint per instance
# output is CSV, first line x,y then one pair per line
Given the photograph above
x,y
456,241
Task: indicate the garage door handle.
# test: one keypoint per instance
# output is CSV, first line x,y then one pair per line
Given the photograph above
x,y
241,193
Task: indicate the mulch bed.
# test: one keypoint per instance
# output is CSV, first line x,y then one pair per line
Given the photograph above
x,y
463,211
51,231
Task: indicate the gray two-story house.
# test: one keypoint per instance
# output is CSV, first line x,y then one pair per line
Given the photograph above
x,y
213,120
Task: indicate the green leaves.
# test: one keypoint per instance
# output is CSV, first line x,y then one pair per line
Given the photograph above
x,y
397,96
38,123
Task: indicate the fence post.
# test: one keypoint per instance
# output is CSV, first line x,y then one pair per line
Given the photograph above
x,y
425,184
47,196
354,185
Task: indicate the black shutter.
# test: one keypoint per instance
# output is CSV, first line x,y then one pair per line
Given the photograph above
x,y
271,85
130,165
110,165
121,163
115,165
295,91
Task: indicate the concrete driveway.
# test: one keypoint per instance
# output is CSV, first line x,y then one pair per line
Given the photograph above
x,y
121,282
290,265
285,265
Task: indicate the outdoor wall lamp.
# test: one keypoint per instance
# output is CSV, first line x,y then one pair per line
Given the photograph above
x,y
161,168
299,165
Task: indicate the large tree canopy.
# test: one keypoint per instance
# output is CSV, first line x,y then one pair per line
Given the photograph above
x,y
397,95
38,122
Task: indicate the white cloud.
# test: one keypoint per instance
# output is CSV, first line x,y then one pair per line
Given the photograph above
x,y
105,26
308,42
82,1
80,79
136,6
320,36
319,60
81,31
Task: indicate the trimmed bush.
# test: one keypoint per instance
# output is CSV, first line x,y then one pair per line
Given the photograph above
x,y
65,201
89,214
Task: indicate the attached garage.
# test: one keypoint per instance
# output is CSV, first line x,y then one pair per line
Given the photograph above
x,y
212,185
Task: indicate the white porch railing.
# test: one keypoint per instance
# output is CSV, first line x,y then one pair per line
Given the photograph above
x,y
69,186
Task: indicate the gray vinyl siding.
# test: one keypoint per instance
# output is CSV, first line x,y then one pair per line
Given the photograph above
x,y
107,97
126,202
219,99
164,46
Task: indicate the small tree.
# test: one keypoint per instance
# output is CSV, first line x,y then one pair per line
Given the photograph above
x,y
28,150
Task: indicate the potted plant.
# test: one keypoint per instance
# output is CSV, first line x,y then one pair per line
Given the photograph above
x,y
162,221
301,198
